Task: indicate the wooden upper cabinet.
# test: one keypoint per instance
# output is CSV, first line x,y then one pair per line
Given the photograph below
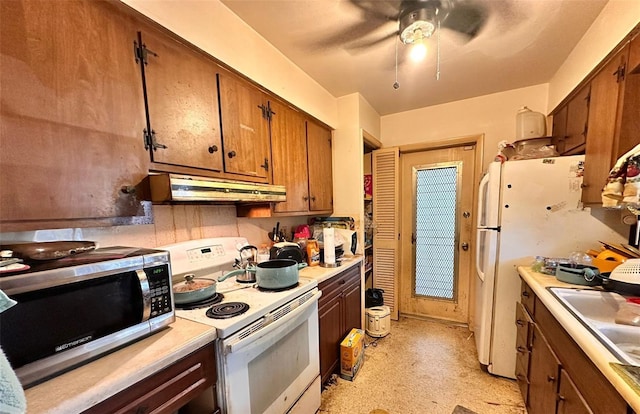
x,y
182,99
560,129
601,151
289,151
320,162
71,114
245,128
629,118
577,119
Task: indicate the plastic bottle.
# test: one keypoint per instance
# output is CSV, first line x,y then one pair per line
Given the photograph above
x,y
313,252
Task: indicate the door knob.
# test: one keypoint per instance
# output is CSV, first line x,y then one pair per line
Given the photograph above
x,y
213,148
466,214
231,154
465,246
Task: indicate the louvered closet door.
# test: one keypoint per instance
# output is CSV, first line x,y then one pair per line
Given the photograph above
x,y
386,221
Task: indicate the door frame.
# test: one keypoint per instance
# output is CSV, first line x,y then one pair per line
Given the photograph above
x,y
478,141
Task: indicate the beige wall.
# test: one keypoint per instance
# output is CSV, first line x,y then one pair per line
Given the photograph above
x,y
215,29
614,22
493,115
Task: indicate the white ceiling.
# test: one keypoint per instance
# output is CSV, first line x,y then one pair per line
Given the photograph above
x,y
523,43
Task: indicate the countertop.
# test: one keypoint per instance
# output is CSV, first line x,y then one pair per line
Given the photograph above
x,y
85,386
598,353
320,274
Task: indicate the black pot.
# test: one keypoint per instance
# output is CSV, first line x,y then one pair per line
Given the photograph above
x,y
624,288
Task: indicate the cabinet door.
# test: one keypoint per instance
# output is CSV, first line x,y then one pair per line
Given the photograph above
x,y
524,337
330,331
182,99
600,152
628,136
289,152
245,129
577,118
560,129
570,400
320,161
71,114
543,376
352,305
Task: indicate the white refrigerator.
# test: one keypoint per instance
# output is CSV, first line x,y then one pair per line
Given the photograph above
x,y
526,208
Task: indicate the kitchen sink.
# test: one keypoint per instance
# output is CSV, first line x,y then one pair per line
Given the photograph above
x,y
596,310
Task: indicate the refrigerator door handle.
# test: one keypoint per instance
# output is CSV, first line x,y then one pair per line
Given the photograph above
x,y
479,248
482,201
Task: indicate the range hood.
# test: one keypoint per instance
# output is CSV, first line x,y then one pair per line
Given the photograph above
x,y
186,188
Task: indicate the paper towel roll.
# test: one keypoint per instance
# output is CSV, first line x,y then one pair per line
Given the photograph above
x,y
328,235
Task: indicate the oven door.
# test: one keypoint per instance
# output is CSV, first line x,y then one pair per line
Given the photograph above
x,y
270,369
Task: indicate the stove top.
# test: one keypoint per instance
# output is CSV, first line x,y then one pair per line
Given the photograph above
x,y
227,310
214,257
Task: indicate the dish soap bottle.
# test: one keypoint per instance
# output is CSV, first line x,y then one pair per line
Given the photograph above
x,y
313,252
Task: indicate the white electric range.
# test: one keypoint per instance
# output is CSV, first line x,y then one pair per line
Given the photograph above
x,y
267,356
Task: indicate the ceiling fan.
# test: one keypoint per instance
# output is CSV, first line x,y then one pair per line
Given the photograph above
x,y
416,20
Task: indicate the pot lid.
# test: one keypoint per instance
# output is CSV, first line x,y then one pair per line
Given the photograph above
x,y
192,284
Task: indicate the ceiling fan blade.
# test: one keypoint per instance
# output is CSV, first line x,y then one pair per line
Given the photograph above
x,y
388,10
347,35
466,17
366,43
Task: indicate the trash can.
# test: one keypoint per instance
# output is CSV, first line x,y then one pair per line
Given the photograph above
x,y
378,321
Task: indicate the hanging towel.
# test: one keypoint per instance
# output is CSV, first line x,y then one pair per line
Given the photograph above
x,y
12,399
623,183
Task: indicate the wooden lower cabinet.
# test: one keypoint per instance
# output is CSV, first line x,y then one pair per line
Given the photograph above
x,y
339,310
169,389
543,376
552,371
570,401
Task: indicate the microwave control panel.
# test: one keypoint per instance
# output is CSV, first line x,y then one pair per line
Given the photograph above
x,y
159,287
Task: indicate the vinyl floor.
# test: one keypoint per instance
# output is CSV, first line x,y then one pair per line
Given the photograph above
x,y
422,367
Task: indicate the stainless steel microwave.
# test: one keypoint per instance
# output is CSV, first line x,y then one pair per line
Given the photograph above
x,y
73,310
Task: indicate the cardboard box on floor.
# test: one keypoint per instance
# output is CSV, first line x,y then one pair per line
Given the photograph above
x,y
351,354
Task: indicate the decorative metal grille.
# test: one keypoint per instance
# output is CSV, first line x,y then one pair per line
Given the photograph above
x,y
435,231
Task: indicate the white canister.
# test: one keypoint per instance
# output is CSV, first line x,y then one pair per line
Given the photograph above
x,y
378,321
328,235
530,124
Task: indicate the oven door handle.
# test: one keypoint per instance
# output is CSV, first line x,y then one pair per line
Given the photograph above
x,y
237,346
146,294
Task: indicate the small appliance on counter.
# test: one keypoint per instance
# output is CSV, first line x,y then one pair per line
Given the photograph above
x,y
287,250
76,308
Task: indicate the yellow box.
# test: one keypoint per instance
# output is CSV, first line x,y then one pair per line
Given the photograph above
x,y
351,354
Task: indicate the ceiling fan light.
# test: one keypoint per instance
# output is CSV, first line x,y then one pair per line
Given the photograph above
x,y
418,51
417,31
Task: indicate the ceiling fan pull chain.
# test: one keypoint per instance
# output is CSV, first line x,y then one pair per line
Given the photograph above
x,y
396,85
438,55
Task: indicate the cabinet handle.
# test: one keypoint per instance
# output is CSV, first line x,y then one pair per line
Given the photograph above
x,y
561,397
231,154
522,378
551,378
342,282
313,199
305,198
583,185
521,349
265,165
525,294
213,148
520,322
